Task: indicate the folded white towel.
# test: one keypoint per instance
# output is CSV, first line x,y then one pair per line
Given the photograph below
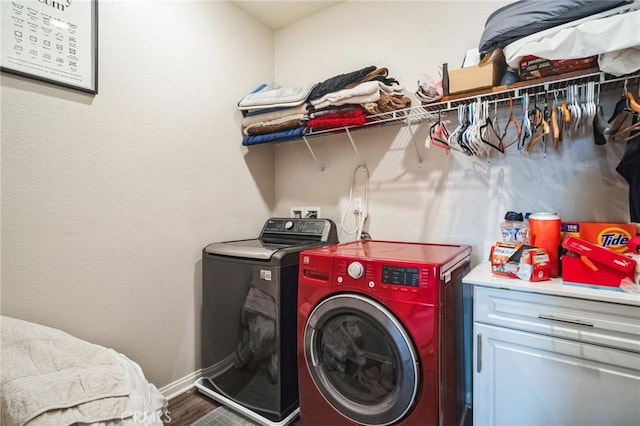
x,y
269,97
50,377
274,115
365,92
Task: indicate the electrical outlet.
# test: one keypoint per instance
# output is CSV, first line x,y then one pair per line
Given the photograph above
x,y
357,202
305,212
312,212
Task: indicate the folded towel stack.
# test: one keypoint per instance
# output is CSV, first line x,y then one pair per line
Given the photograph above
x,y
274,114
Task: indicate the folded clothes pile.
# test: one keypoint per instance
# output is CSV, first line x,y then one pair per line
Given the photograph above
x,y
273,114
369,90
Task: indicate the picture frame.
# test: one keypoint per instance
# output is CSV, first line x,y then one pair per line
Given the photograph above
x,y
55,41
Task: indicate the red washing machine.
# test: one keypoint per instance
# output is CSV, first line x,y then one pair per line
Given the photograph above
x,y
380,334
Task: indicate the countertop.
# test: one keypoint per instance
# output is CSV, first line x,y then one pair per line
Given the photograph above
x,y
481,275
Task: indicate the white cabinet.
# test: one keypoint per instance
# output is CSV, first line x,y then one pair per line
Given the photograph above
x,y
553,359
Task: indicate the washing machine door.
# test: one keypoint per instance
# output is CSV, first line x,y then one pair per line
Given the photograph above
x,y
361,359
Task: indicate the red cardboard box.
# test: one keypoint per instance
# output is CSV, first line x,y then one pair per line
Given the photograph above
x,y
532,67
588,263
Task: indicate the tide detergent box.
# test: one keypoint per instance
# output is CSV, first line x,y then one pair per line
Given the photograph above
x,y
613,236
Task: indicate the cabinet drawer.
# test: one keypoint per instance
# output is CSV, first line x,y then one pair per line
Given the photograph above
x,y
602,323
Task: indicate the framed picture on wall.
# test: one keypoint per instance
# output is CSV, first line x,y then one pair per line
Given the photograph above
x,y
51,40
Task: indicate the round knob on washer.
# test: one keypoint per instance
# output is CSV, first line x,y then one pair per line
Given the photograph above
x,y
355,270
288,225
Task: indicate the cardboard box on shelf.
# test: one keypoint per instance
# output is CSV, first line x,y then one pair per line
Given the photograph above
x,y
486,74
611,235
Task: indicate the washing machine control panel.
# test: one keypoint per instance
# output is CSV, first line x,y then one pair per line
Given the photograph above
x,y
400,275
355,270
309,229
386,279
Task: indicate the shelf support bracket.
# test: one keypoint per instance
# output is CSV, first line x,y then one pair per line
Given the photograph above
x,y
304,138
353,144
415,145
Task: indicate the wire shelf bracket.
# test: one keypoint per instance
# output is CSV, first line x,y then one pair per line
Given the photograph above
x,y
315,159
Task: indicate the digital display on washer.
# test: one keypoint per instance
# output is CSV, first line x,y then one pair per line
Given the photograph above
x,y
400,275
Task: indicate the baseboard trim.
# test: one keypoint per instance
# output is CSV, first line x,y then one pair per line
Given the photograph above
x,y
180,386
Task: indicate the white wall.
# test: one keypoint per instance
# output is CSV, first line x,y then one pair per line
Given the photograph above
x,y
107,200
452,198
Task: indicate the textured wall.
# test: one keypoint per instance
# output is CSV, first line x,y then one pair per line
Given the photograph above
x,y
107,200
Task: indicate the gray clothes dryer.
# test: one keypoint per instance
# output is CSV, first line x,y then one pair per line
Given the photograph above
x,y
249,311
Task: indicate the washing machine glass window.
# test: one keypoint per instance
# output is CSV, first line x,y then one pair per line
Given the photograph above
x,y
361,359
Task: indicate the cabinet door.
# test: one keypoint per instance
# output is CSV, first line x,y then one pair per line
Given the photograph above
x,y
524,378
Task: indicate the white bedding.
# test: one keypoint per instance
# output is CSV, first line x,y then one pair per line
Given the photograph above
x,y
49,377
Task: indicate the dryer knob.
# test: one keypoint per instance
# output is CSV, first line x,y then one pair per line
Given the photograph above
x,y
288,225
355,270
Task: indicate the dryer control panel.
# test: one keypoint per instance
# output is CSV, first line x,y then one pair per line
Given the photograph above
x,y
394,280
400,275
394,270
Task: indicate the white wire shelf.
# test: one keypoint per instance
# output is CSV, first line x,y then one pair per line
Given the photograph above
x,y
603,82
429,112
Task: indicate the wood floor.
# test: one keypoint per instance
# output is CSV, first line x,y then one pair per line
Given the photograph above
x,y
187,408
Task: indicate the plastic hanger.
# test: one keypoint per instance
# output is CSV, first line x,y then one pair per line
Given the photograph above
x,y
632,102
555,129
439,135
526,122
510,121
489,128
601,126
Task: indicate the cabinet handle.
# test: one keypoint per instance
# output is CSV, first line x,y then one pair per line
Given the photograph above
x,y
567,320
479,351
